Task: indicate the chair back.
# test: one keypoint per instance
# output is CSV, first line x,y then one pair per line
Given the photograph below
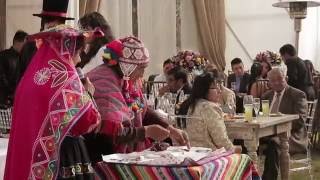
x,y
5,120
181,121
310,114
153,87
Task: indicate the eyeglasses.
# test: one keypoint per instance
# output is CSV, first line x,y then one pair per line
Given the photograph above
x,y
216,88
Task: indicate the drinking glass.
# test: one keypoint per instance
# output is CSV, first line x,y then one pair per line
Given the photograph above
x,y
247,99
265,107
256,106
248,112
173,98
233,86
151,101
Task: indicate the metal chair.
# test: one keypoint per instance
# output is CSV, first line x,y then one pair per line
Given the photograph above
x,y
152,87
305,163
5,121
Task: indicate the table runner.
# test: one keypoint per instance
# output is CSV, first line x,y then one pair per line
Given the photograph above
x,y
229,166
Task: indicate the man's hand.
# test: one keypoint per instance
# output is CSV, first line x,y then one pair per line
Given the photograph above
x,y
179,136
164,90
156,132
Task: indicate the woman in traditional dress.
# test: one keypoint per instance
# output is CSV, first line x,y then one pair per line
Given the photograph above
x,y
51,107
127,121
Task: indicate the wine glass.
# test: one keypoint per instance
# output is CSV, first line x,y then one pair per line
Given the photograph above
x,y
151,101
233,86
256,106
173,98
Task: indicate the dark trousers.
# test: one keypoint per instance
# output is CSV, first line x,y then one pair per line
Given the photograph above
x,y
271,164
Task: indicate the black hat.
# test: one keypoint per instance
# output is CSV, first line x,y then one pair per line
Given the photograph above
x,y
54,8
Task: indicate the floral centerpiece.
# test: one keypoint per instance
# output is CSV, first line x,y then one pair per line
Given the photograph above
x,y
268,56
190,60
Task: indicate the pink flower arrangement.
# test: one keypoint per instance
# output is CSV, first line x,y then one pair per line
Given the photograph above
x,y
273,58
190,60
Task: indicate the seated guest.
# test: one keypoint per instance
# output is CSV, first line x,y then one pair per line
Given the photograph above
x,y
257,86
296,71
177,80
227,96
127,122
266,67
207,128
167,66
287,100
240,79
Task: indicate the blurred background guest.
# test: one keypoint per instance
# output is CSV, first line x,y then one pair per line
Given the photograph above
x,y
257,86
296,71
238,82
9,69
266,67
239,79
177,80
91,56
167,66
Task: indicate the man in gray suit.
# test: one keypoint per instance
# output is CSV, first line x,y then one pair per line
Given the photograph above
x,y
287,100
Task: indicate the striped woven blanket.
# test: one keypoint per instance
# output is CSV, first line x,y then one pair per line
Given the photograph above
x,y
230,166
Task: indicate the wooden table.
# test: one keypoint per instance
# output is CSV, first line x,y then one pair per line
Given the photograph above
x,y
263,127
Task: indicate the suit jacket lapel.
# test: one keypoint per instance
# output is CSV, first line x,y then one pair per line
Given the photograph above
x,y
284,101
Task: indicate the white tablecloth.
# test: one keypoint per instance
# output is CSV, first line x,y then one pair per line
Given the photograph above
x,y
3,154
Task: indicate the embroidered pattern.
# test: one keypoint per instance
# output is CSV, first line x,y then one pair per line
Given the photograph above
x,y
42,76
65,108
59,73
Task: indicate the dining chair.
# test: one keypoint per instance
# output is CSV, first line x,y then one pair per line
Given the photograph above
x,y
5,121
302,162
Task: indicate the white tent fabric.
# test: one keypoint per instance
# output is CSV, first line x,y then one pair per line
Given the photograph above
x,y
309,45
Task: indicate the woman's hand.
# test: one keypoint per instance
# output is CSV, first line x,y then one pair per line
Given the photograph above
x,y
89,86
179,136
156,132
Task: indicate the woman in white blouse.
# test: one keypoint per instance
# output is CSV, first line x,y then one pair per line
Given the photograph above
x,y
206,128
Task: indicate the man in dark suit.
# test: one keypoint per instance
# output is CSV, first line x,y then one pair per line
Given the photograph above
x,y
9,73
287,100
238,81
239,77
177,79
296,71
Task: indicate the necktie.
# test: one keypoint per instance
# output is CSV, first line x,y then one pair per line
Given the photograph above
x,y
275,106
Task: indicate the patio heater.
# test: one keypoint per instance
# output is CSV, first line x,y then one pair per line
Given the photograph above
x,y
297,11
